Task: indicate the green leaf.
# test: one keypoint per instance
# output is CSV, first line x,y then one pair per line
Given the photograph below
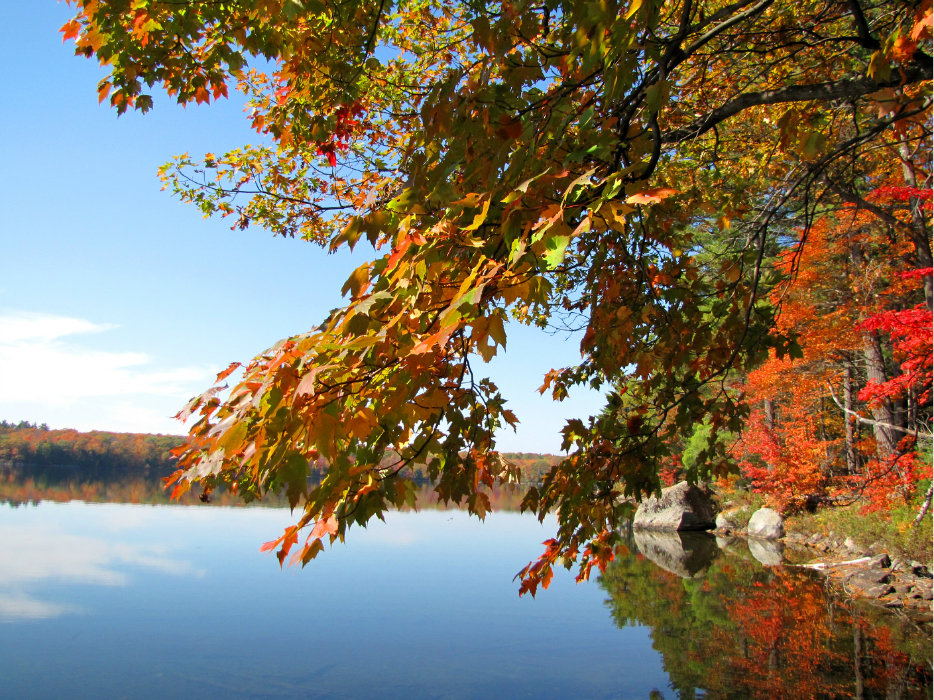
x,y
556,247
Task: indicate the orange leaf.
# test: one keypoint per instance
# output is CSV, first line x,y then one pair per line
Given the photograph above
x,y
926,23
653,196
439,338
181,488
227,372
70,30
398,253
291,531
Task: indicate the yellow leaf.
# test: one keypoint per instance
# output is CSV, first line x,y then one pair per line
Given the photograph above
x,y
479,218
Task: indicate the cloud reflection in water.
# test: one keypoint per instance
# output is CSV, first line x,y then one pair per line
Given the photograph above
x,y
36,554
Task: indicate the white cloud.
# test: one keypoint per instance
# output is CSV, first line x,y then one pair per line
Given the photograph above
x,y
44,327
37,365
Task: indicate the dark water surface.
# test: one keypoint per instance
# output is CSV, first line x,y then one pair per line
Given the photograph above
x,y
124,600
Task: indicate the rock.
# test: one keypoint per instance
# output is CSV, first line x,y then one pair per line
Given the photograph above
x,y
920,570
877,591
684,554
894,603
767,552
815,538
927,595
867,578
729,519
864,585
902,589
766,524
680,507
880,561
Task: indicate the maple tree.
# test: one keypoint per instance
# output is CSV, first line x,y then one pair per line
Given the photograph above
x,y
863,325
626,169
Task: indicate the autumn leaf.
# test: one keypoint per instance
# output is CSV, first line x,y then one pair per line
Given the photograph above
x,y
231,368
651,196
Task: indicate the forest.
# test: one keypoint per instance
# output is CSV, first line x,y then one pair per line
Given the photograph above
x,y
28,443
848,419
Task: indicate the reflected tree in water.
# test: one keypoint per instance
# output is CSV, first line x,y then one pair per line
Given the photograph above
x,y
739,630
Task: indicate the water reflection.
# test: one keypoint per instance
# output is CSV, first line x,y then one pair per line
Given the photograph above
x,y
23,485
38,554
177,601
684,554
729,627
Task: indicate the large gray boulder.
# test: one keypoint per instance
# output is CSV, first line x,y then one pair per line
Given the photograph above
x,y
766,524
680,507
685,554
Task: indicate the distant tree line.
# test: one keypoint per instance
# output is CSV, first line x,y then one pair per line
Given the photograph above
x,y
534,466
28,443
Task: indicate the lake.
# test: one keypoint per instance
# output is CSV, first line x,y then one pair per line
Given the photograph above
x,y
103,599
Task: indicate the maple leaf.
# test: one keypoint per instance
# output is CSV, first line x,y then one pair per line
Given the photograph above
x,y
651,196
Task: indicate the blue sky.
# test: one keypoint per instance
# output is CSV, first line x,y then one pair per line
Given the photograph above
x,y
117,302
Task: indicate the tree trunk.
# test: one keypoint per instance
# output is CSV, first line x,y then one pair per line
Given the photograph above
x,y
769,406
852,464
925,507
921,239
882,412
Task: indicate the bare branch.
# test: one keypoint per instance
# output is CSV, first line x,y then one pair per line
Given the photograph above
x,y
870,421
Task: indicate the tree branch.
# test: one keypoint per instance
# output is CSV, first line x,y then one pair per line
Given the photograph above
x,y
870,421
866,40
797,93
723,26
875,210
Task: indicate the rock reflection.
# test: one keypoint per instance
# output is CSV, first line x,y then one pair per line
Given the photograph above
x,y
734,629
685,554
767,552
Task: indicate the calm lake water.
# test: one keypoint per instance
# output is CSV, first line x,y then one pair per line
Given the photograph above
x,y
123,600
